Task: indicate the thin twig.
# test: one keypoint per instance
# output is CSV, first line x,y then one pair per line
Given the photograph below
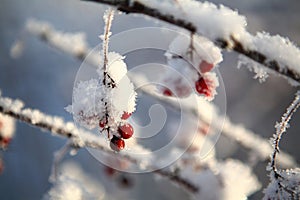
x,y
106,77
280,129
58,156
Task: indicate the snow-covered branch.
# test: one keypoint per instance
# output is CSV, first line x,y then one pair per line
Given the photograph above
x,y
79,138
246,138
225,27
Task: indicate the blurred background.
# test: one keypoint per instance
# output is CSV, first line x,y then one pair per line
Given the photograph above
x,y
43,78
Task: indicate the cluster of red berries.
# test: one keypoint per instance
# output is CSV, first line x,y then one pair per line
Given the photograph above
x,y
203,85
125,131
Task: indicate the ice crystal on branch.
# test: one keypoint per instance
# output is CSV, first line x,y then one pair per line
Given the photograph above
x,y
284,184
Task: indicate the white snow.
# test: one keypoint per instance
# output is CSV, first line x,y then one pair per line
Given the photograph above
x,y
238,179
204,49
220,22
7,126
261,73
277,48
210,20
290,183
74,184
74,43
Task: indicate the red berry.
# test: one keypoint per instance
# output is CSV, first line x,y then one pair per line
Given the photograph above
x,y
205,66
126,115
110,171
202,87
126,131
167,92
117,144
102,123
6,141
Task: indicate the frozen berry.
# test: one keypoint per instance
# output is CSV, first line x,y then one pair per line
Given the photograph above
x,y
4,142
205,66
126,115
202,87
126,131
102,123
110,171
167,92
117,144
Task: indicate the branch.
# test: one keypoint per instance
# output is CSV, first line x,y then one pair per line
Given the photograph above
x,y
246,138
280,129
284,184
237,39
78,138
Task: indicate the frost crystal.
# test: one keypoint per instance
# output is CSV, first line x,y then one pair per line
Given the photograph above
x,y
286,187
261,72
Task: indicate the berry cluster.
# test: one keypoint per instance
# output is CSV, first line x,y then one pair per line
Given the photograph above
x,y
191,60
124,131
205,84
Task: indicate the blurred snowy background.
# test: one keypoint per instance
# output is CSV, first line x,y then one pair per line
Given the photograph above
x,y
43,78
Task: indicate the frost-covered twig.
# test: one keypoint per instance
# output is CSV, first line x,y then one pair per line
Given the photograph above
x,y
78,138
284,184
281,128
225,27
58,156
238,133
108,82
